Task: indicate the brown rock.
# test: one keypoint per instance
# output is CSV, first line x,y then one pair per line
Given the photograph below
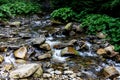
x,y
69,51
110,72
109,48
101,51
21,53
45,56
45,46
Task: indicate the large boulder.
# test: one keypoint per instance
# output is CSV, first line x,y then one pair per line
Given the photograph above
x,y
26,70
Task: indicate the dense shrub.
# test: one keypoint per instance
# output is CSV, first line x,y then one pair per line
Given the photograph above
x,y
63,14
22,7
102,23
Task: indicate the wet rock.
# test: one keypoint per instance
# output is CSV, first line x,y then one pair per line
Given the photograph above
x,y
44,56
60,45
21,61
69,51
45,46
72,42
38,40
15,24
24,70
1,58
21,53
101,51
82,45
39,72
68,26
110,72
101,35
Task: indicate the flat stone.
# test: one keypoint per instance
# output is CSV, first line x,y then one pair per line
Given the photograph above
x,y
24,70
58,72
15,24
44,56
68,72
46,75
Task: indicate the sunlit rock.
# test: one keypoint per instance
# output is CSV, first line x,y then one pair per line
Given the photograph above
x,y
39,72
101,35
109,48
15,24
20,53
45,56
110,72
101,51
21,61
69,51
68,26
1,58
45,46
24,70
8,67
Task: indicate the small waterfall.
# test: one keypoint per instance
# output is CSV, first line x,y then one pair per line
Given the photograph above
x,y
89,52
56,55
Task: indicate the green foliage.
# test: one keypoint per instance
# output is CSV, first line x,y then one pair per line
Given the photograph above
x,y
22,7
103,23
63,14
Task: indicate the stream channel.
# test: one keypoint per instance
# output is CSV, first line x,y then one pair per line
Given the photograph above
x,y
68,55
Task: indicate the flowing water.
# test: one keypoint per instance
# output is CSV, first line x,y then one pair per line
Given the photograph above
x,y
88,62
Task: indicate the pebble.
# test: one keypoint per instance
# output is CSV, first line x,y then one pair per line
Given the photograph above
x,y
58,72
49,70
46,75
68,72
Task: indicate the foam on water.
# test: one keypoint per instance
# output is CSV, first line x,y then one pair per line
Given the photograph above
x,y
57,53
9,59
